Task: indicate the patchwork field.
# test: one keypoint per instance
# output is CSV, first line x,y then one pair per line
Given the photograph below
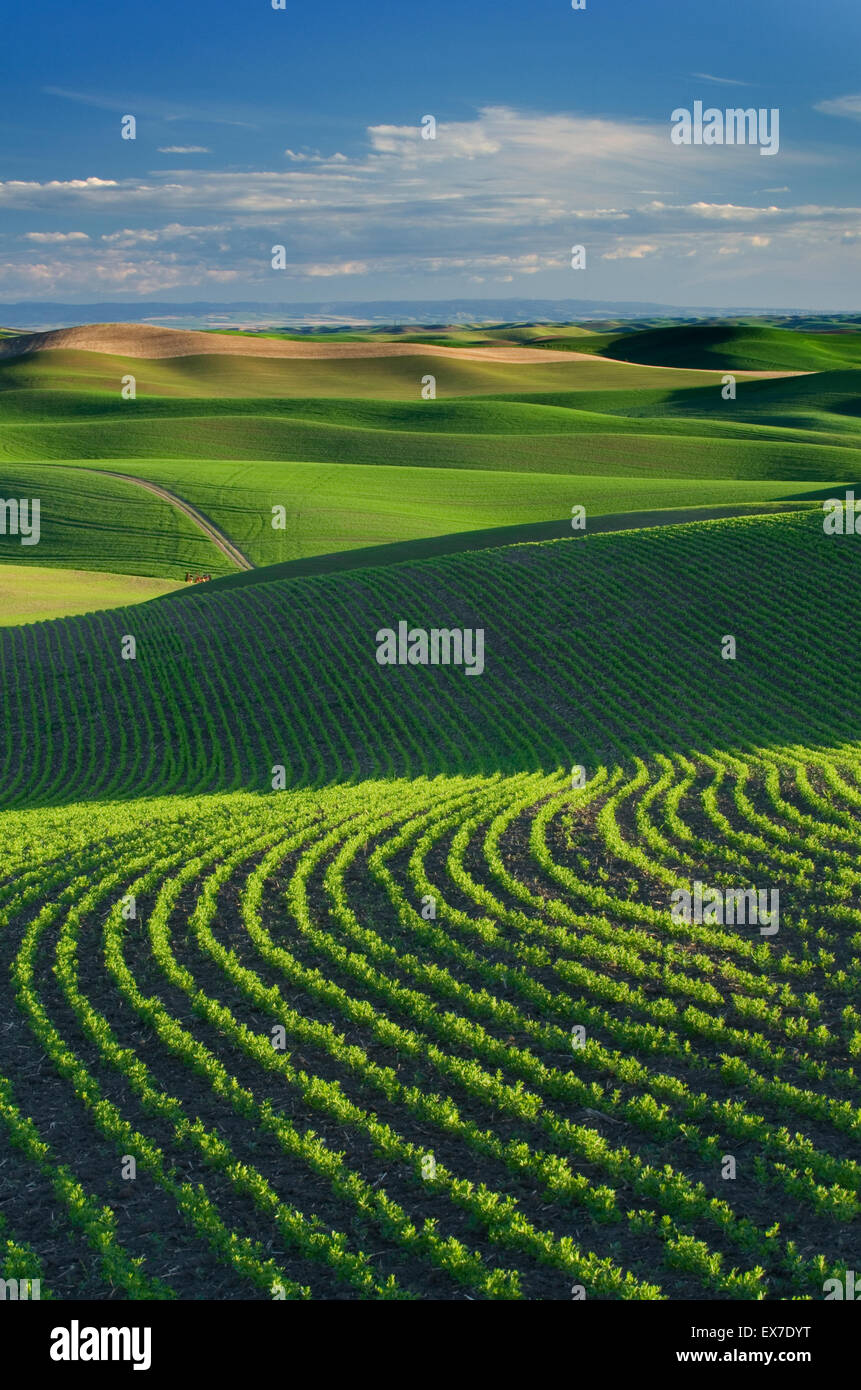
x,y
330,979
356,459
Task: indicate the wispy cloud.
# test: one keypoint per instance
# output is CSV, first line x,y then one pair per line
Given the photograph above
x,y
630,253
724,81
102,103
128,237
302,157
742,243
184,149
498,198
841,106
55,238
22,193
109,274
338,268
156,109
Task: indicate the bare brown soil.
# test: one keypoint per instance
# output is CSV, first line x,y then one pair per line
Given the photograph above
x,y
151,341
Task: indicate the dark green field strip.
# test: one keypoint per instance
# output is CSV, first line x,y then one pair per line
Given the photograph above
x,y
492,538
822,401
746,347
793,410
604,444
608,655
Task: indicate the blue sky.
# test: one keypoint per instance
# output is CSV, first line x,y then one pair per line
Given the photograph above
x,y
258,127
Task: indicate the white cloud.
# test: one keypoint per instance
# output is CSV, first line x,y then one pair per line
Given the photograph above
x,y
529,166
841,106
740,243
326,271
733,212
55,238
728,212
724,81
199,112
129,237
630,253
461,141
23,194
299,157
529,263
499,197
112,273
601,215
184,149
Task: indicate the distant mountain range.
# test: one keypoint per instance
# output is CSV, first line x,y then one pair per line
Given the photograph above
x,y
44,314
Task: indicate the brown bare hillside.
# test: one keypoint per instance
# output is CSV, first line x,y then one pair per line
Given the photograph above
x,y
146,340
151,342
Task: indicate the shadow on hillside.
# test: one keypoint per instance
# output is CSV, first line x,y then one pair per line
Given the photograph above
x,y
458,542
595,650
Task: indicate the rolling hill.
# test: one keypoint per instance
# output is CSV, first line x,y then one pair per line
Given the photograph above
x,y
357,460
582,601
732,347
379,1004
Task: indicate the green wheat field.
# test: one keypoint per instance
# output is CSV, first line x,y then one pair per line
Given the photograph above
x,y
326,979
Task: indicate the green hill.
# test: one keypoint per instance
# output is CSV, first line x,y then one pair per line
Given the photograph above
x,y
509,435
382,378
94,522
731,347
829,402
381,1005
237,436
286,672
329,561
331,507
